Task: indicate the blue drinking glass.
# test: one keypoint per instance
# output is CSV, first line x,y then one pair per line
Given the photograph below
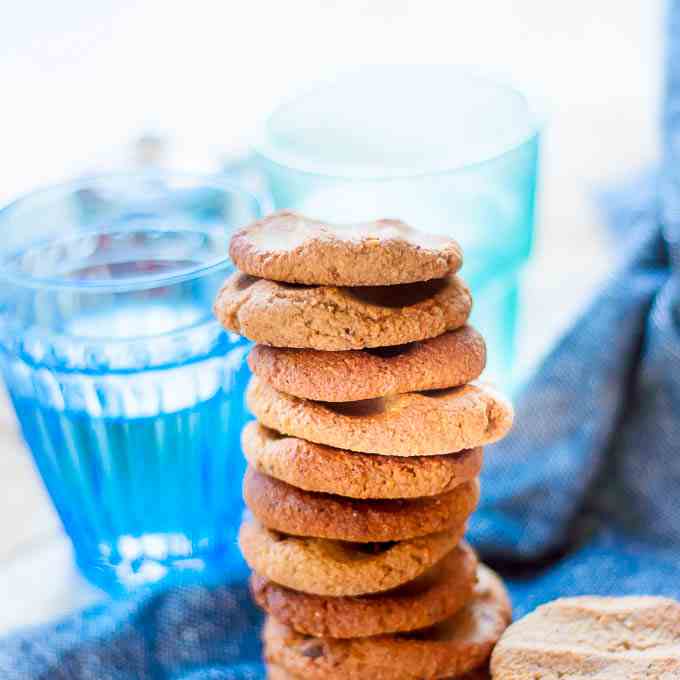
x,y
446,149
128,392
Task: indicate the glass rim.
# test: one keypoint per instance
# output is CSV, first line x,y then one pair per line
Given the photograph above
x,y
536,113
143,282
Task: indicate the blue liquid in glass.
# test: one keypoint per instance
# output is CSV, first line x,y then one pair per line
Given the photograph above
x,y
132,406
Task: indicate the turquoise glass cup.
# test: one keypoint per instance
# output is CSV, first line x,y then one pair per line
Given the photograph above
x,y
128,392
443,148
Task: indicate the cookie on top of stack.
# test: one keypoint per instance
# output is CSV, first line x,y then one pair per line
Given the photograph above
x,y
364,458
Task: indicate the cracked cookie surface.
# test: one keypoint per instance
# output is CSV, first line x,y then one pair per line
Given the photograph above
x,y
315,467
287,246
593,638
413,424
332,318
337,568
452,359
284,508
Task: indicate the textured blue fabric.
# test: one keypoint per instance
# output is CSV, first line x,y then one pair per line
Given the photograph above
x,y
583,497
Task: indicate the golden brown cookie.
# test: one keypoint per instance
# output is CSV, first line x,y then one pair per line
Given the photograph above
x,y
287,246
453,647
449,360
593,638
336,568
315,467
434,596
289,510
413,424
331,318
275,672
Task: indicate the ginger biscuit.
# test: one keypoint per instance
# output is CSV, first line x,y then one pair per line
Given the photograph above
x,y
332,318
290,247
593,638
336,568
289,510
413,424
452,359
315,467
451,648
434,596
275,672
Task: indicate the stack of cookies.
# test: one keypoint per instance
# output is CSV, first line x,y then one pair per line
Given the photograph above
x,y
364,459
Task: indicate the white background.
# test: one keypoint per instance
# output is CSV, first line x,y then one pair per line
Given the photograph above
x,y
80,80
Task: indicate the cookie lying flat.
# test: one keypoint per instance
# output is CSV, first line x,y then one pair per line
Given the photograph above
x,y
315,467
331,318
431,598
284,508
335,568
593,638
451,648
287,246
275,672
413,424
449,360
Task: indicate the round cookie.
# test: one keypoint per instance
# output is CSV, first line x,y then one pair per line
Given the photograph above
x,y
315,467
453,647
275,672
332,318
287,246
603,638
413,424
335,568
284,508
434,596
449,360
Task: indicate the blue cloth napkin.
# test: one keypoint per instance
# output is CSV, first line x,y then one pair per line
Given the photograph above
x,y
583,497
